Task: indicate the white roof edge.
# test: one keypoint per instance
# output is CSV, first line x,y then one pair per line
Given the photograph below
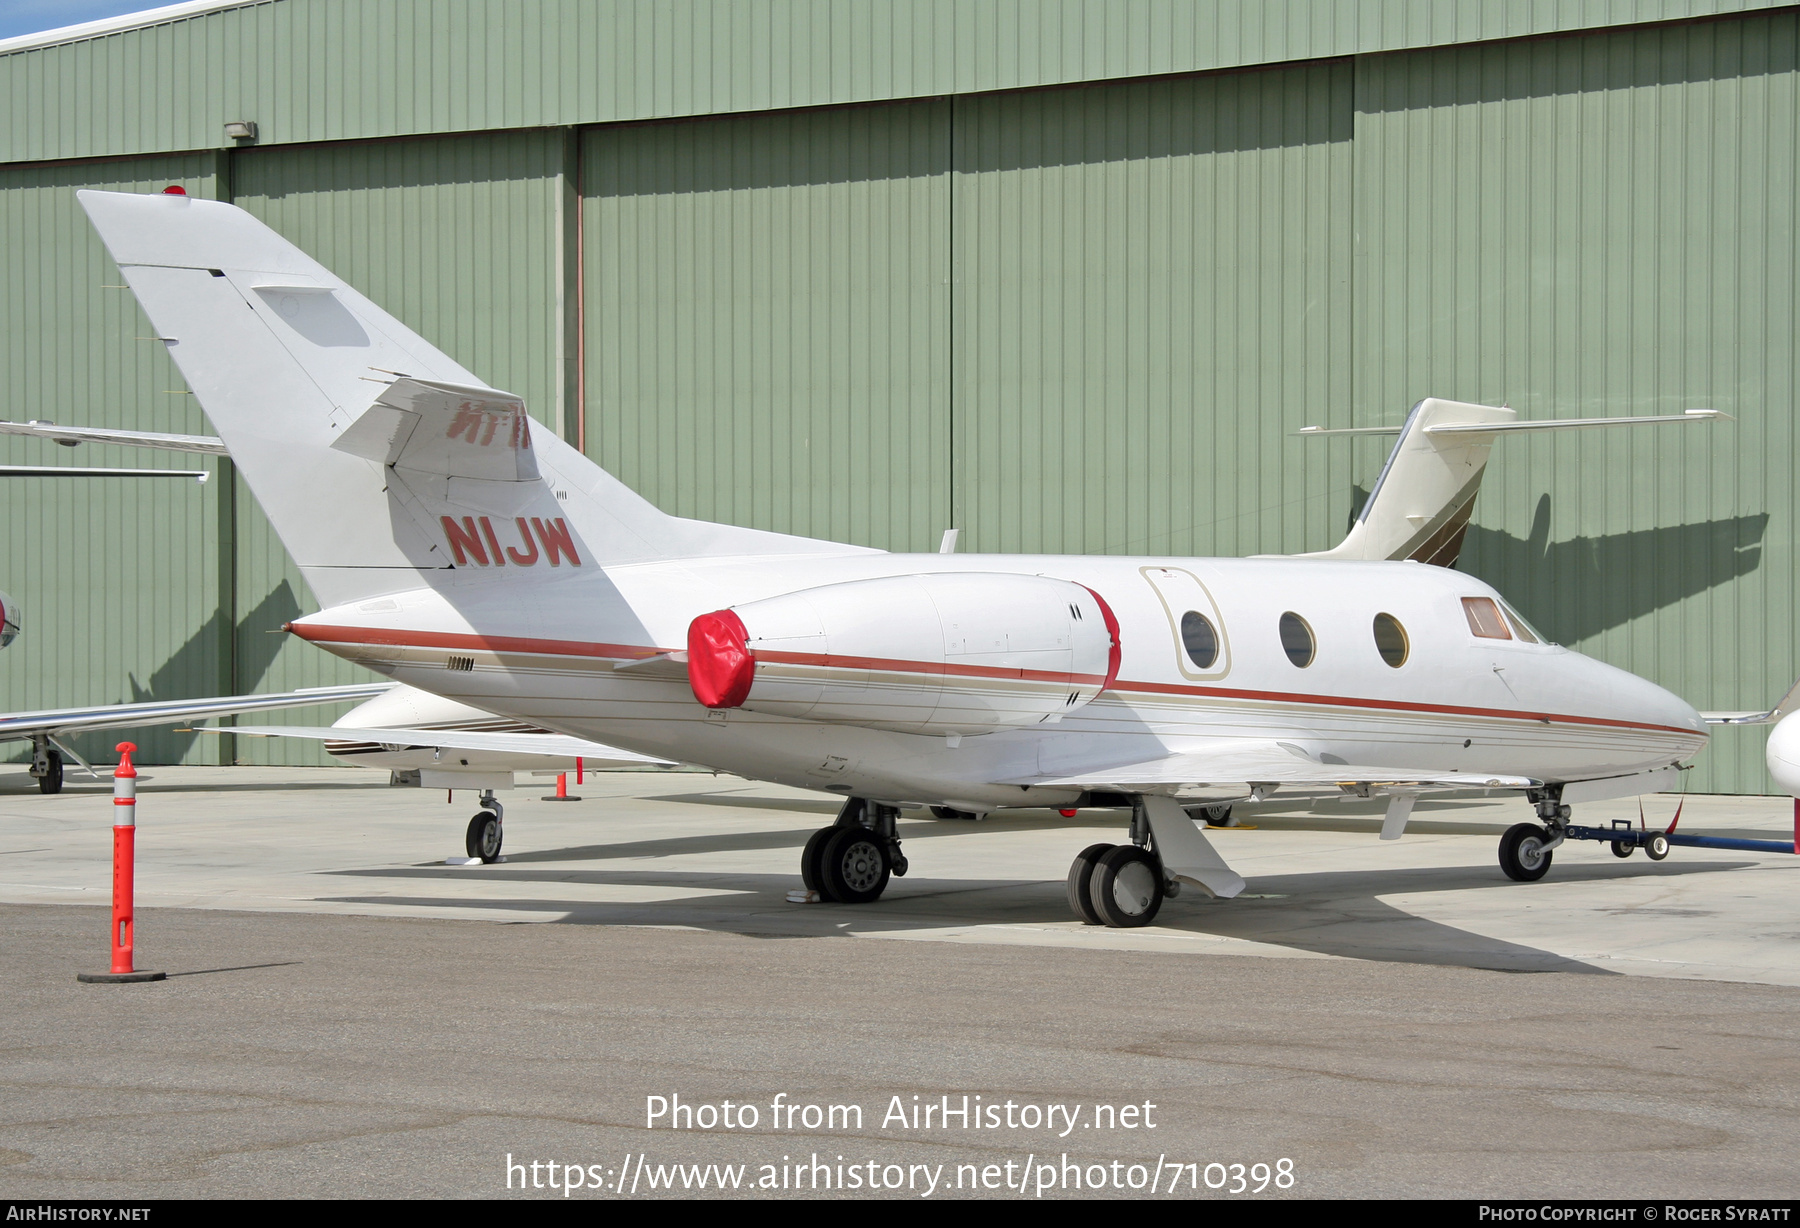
x,y
125,21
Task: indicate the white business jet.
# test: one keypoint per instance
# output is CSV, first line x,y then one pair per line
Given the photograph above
x,y
457,551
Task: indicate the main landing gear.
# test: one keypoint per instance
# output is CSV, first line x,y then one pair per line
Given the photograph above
x,y
1120,885
484,835
46,766
850,861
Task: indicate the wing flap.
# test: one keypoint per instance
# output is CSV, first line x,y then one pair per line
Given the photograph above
x,y
553,744
1270,763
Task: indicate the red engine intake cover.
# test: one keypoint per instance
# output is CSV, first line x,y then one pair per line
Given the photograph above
x,y
720,668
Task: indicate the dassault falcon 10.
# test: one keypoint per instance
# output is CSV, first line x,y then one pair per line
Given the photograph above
x,y
458,550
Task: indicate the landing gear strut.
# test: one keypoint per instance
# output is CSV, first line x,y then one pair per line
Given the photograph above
x,y
484,835
1525,849
46,765
851,861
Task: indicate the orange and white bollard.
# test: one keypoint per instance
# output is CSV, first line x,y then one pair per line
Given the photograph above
x,y
124,920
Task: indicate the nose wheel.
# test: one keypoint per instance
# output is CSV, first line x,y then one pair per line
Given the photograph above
x,y
484,836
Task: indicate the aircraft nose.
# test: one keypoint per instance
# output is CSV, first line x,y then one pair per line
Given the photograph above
x,y
1783,754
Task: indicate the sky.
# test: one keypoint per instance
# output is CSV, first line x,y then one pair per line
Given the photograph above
x,y
29,16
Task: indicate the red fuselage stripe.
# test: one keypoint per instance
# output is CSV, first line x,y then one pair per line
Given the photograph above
x,y
318,633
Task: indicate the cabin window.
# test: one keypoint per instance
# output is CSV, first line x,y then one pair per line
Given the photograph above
x,y
1484,618
1390,640
1200,639
1296,639
1520,627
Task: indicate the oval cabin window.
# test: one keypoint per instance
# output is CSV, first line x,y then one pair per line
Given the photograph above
x,y
1390,640
1199,638
1296,639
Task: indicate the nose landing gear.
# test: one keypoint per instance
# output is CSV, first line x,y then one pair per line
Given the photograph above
x,y
46,766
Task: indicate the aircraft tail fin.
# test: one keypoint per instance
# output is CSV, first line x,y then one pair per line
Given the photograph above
x,y
1420,506
378,459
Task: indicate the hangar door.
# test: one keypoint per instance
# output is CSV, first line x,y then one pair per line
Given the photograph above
x,y
1152,294
767,318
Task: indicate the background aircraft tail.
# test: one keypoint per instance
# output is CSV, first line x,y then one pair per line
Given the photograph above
x,y
1421,503
379,460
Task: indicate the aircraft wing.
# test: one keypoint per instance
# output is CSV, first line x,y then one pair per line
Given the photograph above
x,y
58,721
208,445
1238,768
561,746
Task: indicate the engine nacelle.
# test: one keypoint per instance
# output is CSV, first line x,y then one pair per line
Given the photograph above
x,y
946,653
1783,753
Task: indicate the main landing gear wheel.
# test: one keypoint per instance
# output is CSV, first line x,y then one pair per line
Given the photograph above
x,y
1127,887
1656,847
1522,853
1081,878
1622,849
484,837
854,866
812,870
52,779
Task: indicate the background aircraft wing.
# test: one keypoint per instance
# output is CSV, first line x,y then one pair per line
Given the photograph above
x,y
58,721
71,435
1238,768
593,754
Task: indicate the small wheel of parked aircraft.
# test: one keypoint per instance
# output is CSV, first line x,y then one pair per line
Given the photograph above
x,y
52,779
1127,887
484,836
1656,847
1622,849
950,812
812,871
1213,816
854,865
1522,853
1081,877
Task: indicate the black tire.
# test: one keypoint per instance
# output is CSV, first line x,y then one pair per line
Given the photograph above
x,y
51,780
1657,847
484,836
1622,849
854,865
1081,876
1127,887
1213,816
1522,854
950,812
812,872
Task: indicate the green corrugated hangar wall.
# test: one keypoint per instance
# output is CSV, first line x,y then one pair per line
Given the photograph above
x,y
1086,318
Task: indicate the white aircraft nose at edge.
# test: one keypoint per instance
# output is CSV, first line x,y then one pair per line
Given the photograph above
x,y
463,554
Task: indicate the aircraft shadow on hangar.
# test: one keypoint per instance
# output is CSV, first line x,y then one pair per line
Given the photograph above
x,y
1578,588
1336,913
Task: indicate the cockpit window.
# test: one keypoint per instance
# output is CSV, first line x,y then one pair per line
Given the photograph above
x,y
1390,640
1199,638
1520,627
1296,639
1484,618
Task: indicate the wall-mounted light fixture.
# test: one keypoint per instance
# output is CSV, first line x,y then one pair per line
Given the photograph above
x,y
240,130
